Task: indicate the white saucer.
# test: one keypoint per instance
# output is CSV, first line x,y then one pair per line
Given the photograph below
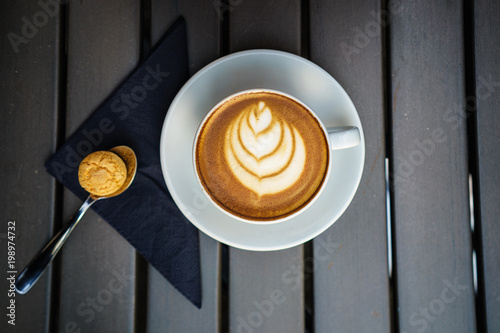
x,y
248,70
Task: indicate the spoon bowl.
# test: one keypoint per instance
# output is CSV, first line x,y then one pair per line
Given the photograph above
x,y
128,156
37,266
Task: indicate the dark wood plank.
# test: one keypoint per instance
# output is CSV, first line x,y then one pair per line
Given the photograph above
x,y
487,46
97,264
28,95
168,310
266,292
202,27
256,279
432,227
265,25
352,285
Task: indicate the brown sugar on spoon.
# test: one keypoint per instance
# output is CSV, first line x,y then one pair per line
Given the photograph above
x,y
102,173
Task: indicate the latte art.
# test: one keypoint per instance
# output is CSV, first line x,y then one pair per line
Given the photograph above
x,y
265,153
261,155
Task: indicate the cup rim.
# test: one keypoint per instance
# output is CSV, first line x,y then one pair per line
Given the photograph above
x,y
297,211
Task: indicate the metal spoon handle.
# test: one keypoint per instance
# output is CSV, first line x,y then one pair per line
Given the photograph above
x,y
37,266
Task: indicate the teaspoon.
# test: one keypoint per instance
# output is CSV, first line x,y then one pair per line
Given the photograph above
x,y
37,266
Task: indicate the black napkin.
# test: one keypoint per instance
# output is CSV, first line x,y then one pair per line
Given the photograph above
x,y
133,116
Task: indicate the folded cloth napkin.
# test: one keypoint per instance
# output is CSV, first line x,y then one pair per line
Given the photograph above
x,y
145,214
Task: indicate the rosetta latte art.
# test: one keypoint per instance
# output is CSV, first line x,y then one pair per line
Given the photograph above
x,y
265,154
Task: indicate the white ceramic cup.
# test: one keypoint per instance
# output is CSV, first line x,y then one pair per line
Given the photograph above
x,y
341,137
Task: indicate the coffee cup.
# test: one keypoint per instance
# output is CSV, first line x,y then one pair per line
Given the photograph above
x,y
263,156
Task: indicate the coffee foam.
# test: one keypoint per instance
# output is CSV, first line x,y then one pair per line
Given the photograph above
x,y
261,156
265,153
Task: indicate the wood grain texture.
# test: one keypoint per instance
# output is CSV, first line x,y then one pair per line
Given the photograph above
x,y
432,227
28,95
168,310
487,51
266,290
273,24
97,264
351,284
202,27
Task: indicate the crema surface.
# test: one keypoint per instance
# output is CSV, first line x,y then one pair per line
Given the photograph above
x,y
261,155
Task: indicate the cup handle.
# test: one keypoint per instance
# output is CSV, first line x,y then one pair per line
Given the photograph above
x,y
343,137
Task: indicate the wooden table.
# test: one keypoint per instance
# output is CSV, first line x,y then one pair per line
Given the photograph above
x,y
421,257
